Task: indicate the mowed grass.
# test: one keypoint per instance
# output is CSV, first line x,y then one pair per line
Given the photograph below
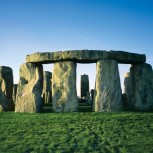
x,y
76,132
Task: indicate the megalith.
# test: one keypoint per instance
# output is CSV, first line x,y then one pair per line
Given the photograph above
x,y
92,91
6,89
29,89
47,87
84,85
14,92
128,96
139,87
64,94
108,94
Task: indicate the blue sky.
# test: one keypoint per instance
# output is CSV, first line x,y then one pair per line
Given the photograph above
x,y
28,26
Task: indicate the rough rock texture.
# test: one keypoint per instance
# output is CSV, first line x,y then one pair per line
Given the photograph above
x,y
86,56
88,96
64,94
128,92
14,92
47,87
92,91
126,57
84,85
6,81
29,90
108,96
139,87
126,105
6,89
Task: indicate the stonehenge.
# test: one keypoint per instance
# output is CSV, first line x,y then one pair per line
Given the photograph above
x,y
36,87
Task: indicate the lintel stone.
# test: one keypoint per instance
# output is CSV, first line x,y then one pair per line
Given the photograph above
x,y
85,56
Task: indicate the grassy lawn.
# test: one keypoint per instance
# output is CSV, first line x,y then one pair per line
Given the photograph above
x,y
76,132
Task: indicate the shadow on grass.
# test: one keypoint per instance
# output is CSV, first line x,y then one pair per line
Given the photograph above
x,y
82,108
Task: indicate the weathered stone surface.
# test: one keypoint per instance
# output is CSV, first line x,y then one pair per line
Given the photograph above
x,y
6,81
6,89
14,92
126,57
92,91
139,87
129,87
5,103
84,85
64,94
47,87
88,96
86,56
44,57
108,95
29,89
125,102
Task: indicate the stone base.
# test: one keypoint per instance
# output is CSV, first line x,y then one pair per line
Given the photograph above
x,y
29,103
5,103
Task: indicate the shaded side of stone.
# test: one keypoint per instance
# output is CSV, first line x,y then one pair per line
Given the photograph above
x,y
92,91
64,94
14,92
29,89
129,92
6,89
140,88
126,57
108,95
84,85
47,87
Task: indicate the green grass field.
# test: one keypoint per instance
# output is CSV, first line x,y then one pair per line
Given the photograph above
x,y
76,132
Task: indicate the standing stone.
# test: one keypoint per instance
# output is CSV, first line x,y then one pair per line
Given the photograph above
x,y
128,97
108,95
92,91
29,90
14,92
6,89
139,87
88,97
47,87
64,92
84,85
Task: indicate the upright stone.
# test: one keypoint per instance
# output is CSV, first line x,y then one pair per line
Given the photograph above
x,y
29,89
6,89
92,91
108,96
139,89
84,85
47,87
129,87
14,92
64,94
